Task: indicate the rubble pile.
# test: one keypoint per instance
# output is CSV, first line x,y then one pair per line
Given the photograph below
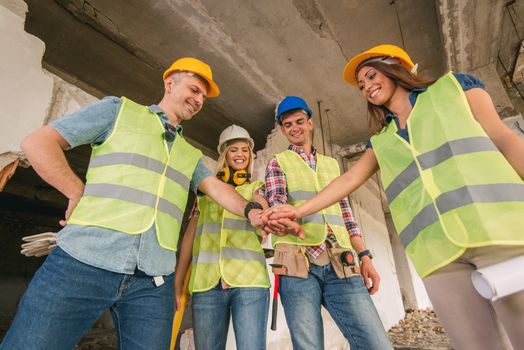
x,y
419,330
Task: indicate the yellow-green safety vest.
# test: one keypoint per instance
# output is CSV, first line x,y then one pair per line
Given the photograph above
x,y
304,183
135,181
449,188
227,246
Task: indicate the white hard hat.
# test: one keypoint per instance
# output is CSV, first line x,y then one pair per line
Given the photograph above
x,y
231,133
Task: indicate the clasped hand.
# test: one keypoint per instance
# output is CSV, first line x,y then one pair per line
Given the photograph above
x,y
280,220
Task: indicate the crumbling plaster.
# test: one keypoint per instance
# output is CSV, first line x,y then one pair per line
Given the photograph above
x,y
26,90
469,32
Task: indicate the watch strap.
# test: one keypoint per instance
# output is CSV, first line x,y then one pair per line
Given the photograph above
x,y
251,205
364,253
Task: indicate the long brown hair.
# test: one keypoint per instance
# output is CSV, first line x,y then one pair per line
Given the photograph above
x,y
400,76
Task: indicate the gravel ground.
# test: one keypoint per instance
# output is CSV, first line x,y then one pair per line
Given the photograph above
x,y
419,330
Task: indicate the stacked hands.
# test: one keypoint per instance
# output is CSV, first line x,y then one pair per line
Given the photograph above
x,y
281,220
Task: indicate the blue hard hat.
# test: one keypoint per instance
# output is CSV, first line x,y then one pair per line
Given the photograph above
x,y
291,103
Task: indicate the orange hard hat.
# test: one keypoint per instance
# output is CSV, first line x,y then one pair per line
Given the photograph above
x,y
384,50
198,67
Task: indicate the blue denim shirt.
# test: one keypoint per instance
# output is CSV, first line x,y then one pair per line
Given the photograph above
x,y
101,247
466,81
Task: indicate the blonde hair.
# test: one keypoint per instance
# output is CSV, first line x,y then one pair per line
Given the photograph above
x,y
222,159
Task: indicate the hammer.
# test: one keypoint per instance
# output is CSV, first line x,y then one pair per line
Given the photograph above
x,y
275,298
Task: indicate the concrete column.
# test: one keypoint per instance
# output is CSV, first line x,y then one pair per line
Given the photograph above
x,y
366,203
509,115
26,90
488,74
414,294
476,34
469,31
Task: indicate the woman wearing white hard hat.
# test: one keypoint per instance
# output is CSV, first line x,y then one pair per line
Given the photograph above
x,y
229,279
452,173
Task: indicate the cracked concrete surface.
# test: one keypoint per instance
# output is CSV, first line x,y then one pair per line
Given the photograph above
x,y
260,52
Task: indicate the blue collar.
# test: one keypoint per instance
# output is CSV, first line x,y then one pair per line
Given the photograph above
x,y
163,117
412,99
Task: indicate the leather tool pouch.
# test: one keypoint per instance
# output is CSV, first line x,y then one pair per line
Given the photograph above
x,y
341,270
293,258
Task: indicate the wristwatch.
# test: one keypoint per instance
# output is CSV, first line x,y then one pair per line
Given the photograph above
x,y
365,253
251,205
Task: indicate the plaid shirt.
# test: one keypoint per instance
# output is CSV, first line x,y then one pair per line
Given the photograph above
x,y
276,193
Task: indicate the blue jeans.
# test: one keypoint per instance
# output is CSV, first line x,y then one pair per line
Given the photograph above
x,y
66,297
347,301
248,308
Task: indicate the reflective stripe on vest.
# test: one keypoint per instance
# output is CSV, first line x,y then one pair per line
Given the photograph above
x,y
228,253
435,157
227,246
458,198
449,188
134,196
303,183
134,181
140,161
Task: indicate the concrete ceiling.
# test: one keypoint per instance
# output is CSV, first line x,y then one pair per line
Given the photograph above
x,y
260,51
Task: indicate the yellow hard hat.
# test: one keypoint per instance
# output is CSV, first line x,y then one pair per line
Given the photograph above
x,y
385,50
196,66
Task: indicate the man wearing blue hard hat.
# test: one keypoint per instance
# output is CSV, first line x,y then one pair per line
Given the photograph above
x,y
319,269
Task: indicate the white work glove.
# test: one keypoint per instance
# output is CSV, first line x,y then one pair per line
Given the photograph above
x,y
39,245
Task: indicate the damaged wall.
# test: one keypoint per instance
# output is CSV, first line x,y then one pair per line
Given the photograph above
x,y
26,89
256,67
366,202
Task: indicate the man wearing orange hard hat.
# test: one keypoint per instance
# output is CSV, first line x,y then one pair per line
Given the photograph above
x,y
117,248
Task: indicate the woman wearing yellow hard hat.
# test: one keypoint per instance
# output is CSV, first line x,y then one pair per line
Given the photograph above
x,y
452,173
229,278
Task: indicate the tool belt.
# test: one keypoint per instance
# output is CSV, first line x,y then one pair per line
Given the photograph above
x,y
342,270
294,261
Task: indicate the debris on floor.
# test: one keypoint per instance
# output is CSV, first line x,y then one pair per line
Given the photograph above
x,y
419,330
